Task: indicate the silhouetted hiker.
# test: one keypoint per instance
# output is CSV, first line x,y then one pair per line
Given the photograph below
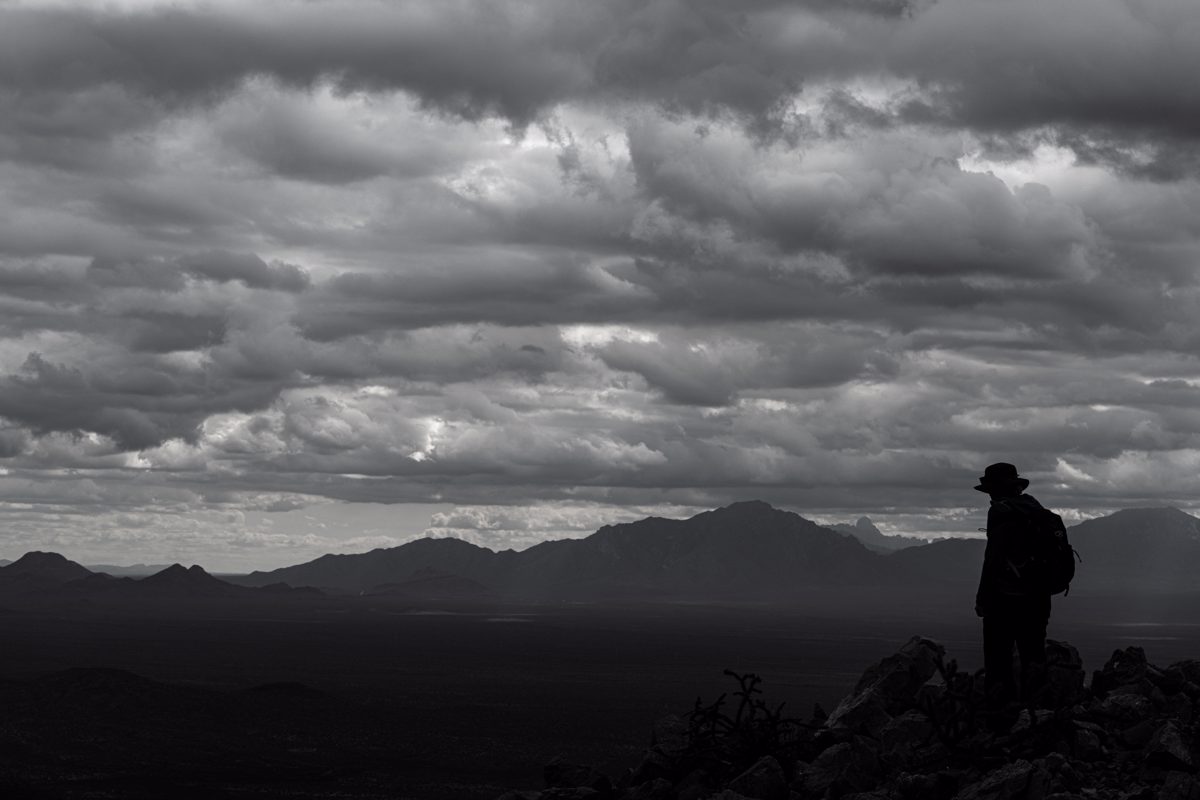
x,y
1013,612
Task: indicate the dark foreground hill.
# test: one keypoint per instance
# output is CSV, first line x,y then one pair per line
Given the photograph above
x,y
914,727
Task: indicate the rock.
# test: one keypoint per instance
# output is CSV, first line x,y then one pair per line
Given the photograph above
x,y
654,764
887,688
1138,735
669,733
1064,675
1061,776
904,735
695,785
898,677
862,712
657,789
1170,750
935,786
845,767
563,774
1025,722
763,780
1189,668
1087,745
1136,793
1124,667
1171,680
1179,786
1128,708
570,793
1003,783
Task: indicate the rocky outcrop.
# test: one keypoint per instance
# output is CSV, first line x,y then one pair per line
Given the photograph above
x,y
912,729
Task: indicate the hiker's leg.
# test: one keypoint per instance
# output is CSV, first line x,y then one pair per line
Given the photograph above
x,y
999,636
1031,646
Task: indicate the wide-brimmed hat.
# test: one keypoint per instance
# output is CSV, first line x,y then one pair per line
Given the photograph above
x,y
1001,476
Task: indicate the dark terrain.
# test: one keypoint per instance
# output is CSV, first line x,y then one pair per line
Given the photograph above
x,y
428,685
350,700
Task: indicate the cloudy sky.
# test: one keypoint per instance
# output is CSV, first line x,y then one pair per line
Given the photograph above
x,y
283,278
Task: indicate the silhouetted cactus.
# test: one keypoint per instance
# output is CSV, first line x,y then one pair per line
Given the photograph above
x,y
724,743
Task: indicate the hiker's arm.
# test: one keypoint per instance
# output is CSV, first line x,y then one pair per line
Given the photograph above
x,y
993,559
985,573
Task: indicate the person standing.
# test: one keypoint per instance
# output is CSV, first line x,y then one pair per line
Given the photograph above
x,y
1014,612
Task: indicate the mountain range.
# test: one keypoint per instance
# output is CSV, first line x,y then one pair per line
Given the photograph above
x,y
40,575
744,551
753,551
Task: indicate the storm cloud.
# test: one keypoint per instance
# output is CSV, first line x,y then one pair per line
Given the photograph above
x,y
514,270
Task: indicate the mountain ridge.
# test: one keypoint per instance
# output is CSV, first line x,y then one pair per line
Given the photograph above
x,y
723,552
743,551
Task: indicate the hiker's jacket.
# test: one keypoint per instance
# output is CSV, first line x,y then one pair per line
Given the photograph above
x,y
1000,587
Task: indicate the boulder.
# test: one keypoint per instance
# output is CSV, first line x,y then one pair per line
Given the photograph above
x,y
1189,669
941,785
764,780
1087,745
887,688
1179,786
1003,783
696,785
657,789
1128,666
1170,749
563,774
1064,675
904,735
1127,708
1025,722
863,712
897,677
570,793
845,767
669,733
1139,734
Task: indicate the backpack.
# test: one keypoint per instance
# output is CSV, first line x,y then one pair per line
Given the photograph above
x,y
1047,563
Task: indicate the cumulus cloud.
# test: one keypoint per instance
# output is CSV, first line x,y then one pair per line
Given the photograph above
x,y
543,265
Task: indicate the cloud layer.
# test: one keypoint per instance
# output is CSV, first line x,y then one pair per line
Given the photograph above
x,y
546,264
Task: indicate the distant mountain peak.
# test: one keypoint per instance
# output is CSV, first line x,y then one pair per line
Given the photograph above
x,y
749,507
179,577
47,566
444,542
37,558
179,570
1151,512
